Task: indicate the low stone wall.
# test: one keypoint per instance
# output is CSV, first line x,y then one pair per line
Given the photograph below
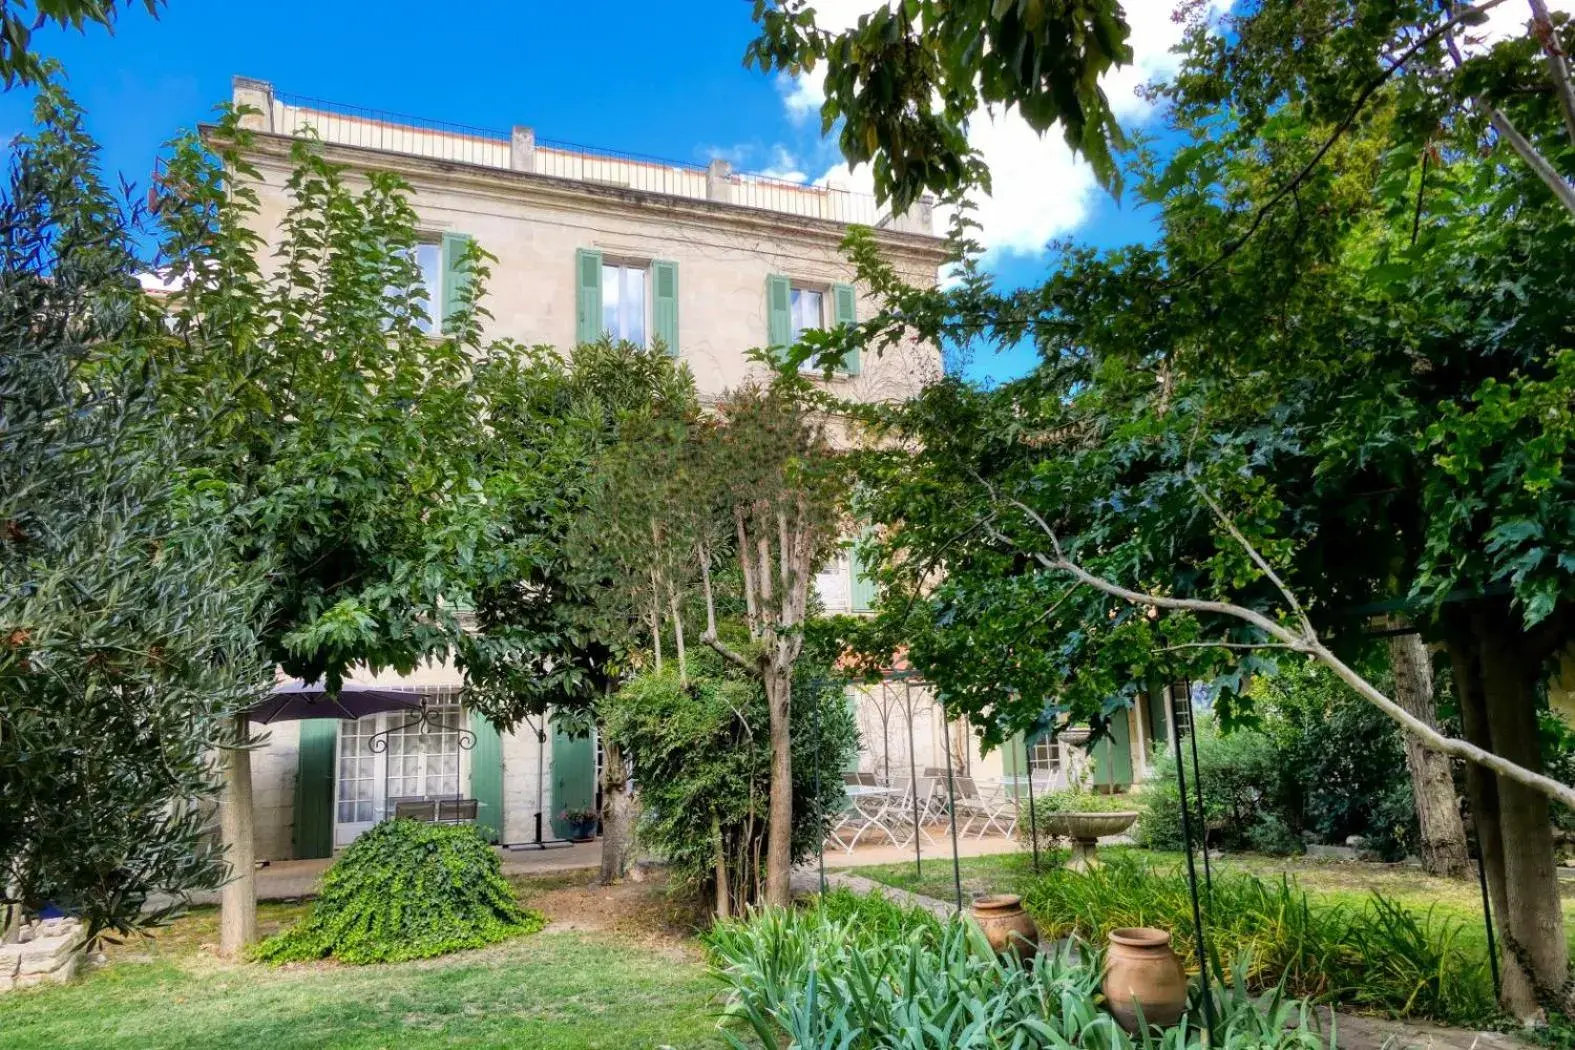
x,y
48,950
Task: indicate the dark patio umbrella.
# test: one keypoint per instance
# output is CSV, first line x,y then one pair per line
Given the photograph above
x,y
296,700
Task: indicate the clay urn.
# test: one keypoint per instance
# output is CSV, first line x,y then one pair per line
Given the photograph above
x,y
1141,971
1006,925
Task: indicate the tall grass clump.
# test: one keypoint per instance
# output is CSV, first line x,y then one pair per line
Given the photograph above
x,y
827,979
1377,956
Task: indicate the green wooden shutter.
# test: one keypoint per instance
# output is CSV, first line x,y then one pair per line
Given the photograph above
x,y
1113,756
588,296
779,312
456,278
314,789
1014,762
664,305
845,303
863,589
486,777
573,776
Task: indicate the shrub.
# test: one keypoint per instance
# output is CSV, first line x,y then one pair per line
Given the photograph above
x,y
818,980
703,761
1378,956
1239,772
406,890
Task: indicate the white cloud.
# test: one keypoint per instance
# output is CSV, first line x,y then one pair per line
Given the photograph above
x,y
1040,190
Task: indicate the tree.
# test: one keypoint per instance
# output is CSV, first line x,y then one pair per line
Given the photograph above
x,y
1441,832
1333,388
126,620
554,628
330,414
780,484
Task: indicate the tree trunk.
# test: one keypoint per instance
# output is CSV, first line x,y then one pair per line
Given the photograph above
x,y
238,899
1443,835
1516,851
618,813
724,896
1534,931
779,831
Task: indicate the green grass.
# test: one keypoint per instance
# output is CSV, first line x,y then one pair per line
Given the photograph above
x,y
553,991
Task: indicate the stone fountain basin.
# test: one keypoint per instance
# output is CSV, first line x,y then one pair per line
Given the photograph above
x,y
1088,825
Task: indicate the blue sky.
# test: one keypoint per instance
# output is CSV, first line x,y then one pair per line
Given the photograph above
x,y
664,80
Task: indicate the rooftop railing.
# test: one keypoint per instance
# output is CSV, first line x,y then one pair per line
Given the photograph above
x,y
519,150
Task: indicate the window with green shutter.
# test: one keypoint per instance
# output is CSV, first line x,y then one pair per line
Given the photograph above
x,y
456,276
863,587
314,788
779,312
588,296
486,777
664,305
845,306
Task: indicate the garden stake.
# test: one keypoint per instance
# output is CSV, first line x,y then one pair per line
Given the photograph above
x,y
815,727
1192,882
913,779
951,799
1197,785
1487,912
1033,818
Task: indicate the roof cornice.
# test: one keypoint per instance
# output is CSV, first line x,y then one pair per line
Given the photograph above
x,y
508,184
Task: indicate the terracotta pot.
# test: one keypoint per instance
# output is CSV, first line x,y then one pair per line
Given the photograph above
x,y
1006,925
1142,971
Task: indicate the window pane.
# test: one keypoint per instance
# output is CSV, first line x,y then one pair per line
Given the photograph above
x,y
634,305
610,294
430,258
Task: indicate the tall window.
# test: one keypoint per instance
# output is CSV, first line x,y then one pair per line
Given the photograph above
x,y
357,771
1045,755
808,311
623,302
429,259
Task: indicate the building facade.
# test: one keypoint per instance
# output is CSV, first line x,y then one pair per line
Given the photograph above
x,y
700,262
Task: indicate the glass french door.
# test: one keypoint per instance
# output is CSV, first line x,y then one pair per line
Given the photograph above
x,y
411,762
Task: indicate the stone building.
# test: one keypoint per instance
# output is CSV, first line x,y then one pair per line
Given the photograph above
x,y
703,261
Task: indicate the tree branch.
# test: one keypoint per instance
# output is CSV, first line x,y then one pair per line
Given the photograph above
x,y
1511,134
1558,66
1311,644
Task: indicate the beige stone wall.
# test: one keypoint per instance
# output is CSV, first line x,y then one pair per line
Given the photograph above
x,y
534,226
274,766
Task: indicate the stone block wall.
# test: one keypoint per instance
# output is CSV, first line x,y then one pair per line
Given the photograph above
x,y
47,951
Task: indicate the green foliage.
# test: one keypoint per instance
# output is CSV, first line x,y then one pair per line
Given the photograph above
x,y
554,628
905,81
1315,760
126,621
1239,772
703,762
1377,956
406,890
839,978
19,63
337,420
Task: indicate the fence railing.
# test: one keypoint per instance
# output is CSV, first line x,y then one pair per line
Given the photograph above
x,y
519,150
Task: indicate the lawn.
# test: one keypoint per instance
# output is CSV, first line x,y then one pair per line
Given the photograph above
x,y
1350,882
615,969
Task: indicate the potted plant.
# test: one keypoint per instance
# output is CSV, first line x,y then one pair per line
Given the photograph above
x,y
580,822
